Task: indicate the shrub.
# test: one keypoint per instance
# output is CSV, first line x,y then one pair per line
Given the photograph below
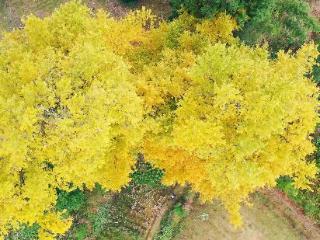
x,y
71,201
80,232
130,3
284,24
316,68
25,233
146,174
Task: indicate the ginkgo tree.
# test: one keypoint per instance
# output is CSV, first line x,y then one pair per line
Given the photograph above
x,y
81,94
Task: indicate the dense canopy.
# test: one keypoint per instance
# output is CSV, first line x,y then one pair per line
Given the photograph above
x,y
81,94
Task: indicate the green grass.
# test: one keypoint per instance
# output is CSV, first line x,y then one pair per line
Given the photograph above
x,y
171,224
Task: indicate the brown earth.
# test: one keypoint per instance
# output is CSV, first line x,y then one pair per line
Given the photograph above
x,y
11,11
315,6
272,217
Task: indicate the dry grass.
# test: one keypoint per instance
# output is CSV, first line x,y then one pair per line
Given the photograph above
x,y
263,221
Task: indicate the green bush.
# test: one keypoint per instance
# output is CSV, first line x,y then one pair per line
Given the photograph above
x,y
284,24
71,201
207,9
146,174
80,232
130,3
24,233
316,68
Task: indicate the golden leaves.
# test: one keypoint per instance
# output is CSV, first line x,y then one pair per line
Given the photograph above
x,y
80,95
243,119
70,115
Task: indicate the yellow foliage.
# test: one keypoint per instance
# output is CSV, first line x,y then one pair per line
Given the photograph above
x,y
69,113
243,121
81,94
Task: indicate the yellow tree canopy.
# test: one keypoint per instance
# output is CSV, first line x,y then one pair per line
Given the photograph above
x,y
69,116
244,121
82,93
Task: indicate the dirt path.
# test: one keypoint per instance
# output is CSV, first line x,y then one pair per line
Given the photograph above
x,y
315,6
272,217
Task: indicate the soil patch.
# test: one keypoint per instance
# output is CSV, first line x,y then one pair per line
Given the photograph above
x,y
271,217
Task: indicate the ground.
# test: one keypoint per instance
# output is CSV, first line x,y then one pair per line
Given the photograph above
x,y
11,11
315,5
271,217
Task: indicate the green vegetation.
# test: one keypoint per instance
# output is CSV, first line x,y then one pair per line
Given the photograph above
x,y
129,1
111,222
147,175
316,69
101,215
25,233
308,200
172,223
81,232
111,217
71,201
283,24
